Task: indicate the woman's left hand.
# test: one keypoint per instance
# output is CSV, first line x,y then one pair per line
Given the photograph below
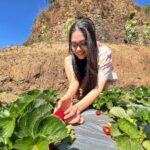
x,y
72,115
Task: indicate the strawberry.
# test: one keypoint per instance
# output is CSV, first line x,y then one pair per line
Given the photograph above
x,y
98,112
106,129
59,113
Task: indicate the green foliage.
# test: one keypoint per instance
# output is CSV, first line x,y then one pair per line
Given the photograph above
x,y
140,95
119,112
146,33
131,28
132,128
135,32
121,97
28,123
110,98
125,143
146,145
68,24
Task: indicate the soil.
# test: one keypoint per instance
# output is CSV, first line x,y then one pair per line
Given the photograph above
x,y
41,66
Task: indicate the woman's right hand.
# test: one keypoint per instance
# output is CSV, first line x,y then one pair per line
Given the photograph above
x,y
63,103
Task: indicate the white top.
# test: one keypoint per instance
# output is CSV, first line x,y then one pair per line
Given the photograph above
x,y
105,69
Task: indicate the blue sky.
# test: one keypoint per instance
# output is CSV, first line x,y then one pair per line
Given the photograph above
x,y
16,19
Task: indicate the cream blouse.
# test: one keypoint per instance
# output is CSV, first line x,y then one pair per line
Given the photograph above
x,y
105,69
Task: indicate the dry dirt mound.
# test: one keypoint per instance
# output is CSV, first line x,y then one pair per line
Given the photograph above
x,y
41,66
109,17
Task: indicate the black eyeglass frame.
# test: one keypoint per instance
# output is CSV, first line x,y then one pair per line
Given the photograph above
x,y
82,44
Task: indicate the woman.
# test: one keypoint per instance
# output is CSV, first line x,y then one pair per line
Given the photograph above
x,y
88,68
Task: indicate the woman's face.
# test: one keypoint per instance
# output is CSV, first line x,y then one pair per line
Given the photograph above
x,y
79,44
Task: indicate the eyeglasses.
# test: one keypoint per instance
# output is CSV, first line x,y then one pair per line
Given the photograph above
x,y
81,44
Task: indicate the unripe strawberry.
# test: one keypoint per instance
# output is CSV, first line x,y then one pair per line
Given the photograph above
x,y
106,129
98,112
59,113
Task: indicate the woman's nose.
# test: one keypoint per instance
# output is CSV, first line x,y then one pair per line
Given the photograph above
x,y
78,49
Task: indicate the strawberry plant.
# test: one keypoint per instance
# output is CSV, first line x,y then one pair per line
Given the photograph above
x,y
28,123
121,97
110,98
131,126
128,133
140,95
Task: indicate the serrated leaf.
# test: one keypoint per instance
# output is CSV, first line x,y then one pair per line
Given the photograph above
x,y
54,128
126,143
119,112
7,126
28,122
28,143
129,128
21,103
49,95
115,130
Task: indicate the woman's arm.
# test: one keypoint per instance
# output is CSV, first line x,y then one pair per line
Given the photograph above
x,y
66,101
73,83
91,96
83,104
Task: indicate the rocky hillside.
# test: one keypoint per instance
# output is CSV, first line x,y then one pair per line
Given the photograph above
x,y
109,17
41,66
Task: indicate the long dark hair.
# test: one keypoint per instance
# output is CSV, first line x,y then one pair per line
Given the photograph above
x,y
88,80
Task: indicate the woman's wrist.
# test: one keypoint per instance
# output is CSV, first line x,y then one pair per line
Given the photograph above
x,y
67,95
78,107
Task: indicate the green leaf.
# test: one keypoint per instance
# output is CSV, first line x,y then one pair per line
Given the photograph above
x,y
126,143
119,112
109,104
146,145
54,128
24,143
41,143
115,130
28,123
20,104
129,128
144,102
28,143
49,95
140,114
33,93
4,113
7,126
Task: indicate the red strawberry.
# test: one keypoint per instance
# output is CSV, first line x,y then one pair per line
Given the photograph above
x,y
98,112
106,129
59,113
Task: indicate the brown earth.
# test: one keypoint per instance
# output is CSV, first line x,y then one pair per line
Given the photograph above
x,y
41,66
109,17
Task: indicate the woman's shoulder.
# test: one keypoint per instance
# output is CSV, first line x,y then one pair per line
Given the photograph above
x,y
68,59
103,49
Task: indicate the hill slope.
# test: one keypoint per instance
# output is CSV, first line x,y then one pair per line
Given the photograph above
x,y
109,17
41,66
